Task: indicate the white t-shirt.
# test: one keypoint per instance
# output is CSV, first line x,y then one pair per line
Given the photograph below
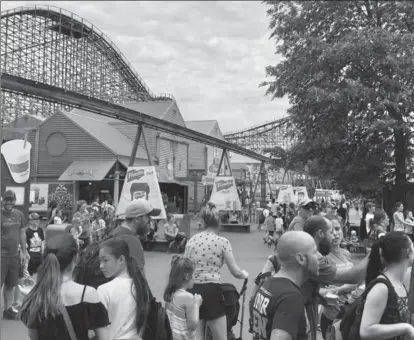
x,y
368,221
116,296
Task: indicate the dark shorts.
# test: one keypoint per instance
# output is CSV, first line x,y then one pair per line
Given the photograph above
x,y
213,303
10,271
34,263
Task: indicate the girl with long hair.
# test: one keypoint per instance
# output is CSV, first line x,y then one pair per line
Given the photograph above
x,y
379,227
54,290
209,252
389,259
126,296
182,307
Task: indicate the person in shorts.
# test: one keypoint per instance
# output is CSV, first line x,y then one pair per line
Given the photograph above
x,y
35,238
12,235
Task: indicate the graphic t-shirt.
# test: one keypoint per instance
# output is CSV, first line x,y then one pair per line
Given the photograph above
x,y
11,224
34,239
279,304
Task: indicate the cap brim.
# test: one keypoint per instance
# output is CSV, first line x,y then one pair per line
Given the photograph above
x,y
154,212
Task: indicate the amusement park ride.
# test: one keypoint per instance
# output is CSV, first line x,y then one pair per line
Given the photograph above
x,y
52,59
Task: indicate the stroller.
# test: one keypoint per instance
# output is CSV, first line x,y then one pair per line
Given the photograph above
x,y
232,304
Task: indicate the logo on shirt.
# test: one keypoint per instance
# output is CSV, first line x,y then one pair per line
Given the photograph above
x,y
260,315
224,184
135,175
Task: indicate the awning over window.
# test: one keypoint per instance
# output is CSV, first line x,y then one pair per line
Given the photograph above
x,y
87,170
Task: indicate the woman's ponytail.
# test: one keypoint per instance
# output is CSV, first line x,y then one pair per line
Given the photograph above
x,y
140,293
45,297
375,266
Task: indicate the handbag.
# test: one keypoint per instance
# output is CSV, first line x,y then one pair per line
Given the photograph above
x,y
68,322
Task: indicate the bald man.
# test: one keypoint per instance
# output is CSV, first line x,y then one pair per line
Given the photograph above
x,y
278,308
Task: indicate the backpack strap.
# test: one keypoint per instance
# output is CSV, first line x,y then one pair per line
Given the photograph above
x,y
68,322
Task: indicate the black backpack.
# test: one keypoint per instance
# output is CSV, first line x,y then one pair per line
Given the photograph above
x,y
351,314
157,324
231,298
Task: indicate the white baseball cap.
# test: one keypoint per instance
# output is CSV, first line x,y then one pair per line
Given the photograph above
x,y
140,207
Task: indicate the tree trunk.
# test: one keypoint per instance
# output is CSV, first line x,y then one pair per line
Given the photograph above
x,y
400,154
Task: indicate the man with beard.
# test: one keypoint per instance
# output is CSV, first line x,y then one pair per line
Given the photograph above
x,y
137,220
322,231
278,307
12,234
306,209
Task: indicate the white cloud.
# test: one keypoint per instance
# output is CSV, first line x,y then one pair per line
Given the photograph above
x,y
210,55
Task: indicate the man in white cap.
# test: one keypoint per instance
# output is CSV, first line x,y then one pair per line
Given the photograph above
x,y
137,216
306,209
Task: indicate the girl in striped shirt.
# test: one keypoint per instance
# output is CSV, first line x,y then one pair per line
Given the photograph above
x,y
182,307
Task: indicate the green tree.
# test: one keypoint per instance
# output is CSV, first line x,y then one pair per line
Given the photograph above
x,y
348,71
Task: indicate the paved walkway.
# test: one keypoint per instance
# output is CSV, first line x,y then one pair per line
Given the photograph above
x,y
248,248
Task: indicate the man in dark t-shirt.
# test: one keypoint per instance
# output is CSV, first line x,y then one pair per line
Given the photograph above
x,y
279,306
137,220
12,235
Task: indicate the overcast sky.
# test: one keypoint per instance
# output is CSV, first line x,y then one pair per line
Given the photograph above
x,y
210,55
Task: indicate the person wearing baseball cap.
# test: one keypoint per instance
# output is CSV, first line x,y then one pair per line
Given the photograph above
x,y
35,238
137,218
12,234
306,208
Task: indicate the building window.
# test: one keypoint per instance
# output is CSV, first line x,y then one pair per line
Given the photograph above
x,y
56,144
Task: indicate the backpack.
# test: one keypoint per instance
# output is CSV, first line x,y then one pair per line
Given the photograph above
x,y
351,314
157,325
262,218
260,279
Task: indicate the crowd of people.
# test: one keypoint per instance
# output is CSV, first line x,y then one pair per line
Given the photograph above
x,y
310,284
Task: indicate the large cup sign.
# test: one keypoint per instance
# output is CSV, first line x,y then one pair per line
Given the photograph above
x,y
16,153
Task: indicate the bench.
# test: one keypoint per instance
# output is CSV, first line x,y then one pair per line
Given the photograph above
x,y
240,227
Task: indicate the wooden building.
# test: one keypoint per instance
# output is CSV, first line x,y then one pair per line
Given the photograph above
x,y
84,154
204,162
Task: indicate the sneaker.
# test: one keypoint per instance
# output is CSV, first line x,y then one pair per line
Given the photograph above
x,y
10,314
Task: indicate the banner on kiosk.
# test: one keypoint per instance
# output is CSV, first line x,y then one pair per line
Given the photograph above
x,y
225,195
141,182
286,194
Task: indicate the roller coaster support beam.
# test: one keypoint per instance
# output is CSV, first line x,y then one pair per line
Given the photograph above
x,y
262,178
55,94
224,156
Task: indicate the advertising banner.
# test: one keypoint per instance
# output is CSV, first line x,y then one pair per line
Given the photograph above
x,y
16,154
301,194
141,182
39,197
213,162
225,195
326,195
286,194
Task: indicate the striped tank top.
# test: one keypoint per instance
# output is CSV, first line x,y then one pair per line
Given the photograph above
x,y
178,321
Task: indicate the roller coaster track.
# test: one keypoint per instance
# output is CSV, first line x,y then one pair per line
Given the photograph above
x,y
264,136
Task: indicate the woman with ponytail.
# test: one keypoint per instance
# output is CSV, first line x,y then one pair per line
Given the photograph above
x,y
126,296
182,306
386,315
55,291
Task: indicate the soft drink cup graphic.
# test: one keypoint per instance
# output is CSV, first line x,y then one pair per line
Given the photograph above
x,y
16,153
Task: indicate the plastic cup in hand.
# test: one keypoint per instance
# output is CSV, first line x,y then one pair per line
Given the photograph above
x,y
331,298
16,153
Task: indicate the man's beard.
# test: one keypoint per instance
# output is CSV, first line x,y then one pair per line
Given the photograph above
x,y
324,247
